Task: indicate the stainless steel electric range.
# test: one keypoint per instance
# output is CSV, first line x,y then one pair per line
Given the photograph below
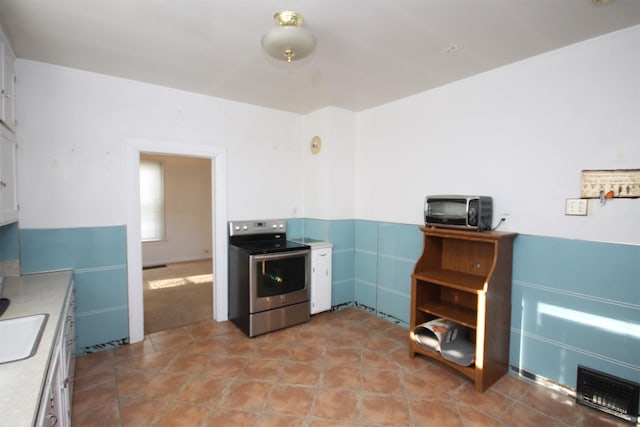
x,y
269,277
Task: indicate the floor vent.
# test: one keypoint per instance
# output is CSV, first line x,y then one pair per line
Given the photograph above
x,y
607,393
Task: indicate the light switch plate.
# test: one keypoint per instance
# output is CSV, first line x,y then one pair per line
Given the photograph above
x,y
576,207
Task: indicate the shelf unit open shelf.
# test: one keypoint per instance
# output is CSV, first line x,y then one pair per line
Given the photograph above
x,y
465,276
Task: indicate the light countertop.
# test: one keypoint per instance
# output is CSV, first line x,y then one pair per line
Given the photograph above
x,y
21,382
313,243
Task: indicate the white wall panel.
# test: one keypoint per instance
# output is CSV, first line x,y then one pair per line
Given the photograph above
x,y
329,176
73,131
521,133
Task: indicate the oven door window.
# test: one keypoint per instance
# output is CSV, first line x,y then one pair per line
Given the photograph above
x,y
280,274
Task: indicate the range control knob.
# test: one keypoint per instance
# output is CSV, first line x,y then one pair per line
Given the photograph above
x,y
237,227
281,225
244,227
275,226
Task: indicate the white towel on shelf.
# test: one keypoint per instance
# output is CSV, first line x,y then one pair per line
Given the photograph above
x,y
429,335
447,338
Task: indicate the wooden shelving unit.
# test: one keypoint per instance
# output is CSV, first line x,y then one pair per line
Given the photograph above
x,y
465,276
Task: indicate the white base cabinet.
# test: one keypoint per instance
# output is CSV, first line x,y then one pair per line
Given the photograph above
x,y
55,404
320,277
51,408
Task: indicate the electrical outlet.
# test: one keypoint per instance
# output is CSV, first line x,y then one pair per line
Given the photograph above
x,y
576,207
503,222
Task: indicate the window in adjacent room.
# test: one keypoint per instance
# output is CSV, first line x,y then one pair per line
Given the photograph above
x,y
151,200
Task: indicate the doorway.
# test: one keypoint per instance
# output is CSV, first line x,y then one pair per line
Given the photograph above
x,y
176,225
219,238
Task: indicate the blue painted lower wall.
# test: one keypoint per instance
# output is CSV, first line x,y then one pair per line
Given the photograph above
x,y
99,258
372,262
573,302
341,234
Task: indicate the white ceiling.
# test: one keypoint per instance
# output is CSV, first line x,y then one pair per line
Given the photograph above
x,y
369,52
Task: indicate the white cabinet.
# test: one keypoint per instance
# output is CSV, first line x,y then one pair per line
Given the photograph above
x,y
67,336
55,404
320,277
8,188
51,409
8,83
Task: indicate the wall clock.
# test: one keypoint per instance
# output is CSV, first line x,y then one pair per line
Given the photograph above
x,y
316,144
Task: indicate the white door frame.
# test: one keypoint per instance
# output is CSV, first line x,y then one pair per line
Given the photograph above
x,y
218,158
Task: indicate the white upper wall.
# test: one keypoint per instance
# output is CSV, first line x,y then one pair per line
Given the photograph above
x,y
521,133
73,127
329,175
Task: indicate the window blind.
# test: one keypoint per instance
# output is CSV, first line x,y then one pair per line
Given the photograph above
x,y
151,200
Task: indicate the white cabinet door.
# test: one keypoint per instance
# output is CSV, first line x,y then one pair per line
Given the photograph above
x,y
8,188
56,399
51,410
68,357
320,280
7,91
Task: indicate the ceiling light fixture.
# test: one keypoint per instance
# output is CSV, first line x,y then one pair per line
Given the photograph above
x,y
289,40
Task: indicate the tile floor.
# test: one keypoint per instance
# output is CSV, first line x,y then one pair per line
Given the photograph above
x,y
345,368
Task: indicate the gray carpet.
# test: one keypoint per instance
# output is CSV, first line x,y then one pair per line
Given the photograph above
x,y
177,295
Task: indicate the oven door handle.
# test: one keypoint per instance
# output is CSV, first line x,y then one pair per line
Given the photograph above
x,y
279,255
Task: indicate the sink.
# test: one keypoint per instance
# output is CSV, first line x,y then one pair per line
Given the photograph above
x,y
20,336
